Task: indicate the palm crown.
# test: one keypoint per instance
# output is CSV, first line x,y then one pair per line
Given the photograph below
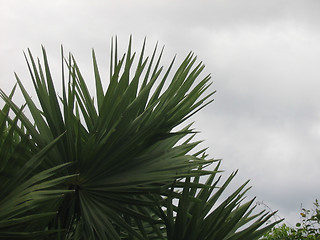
x,y
115,168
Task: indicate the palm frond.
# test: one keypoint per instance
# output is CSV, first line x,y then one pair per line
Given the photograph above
x,y
132,160
200,213
125,147
23,189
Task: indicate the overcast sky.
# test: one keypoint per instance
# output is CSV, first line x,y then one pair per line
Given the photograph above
x,y
264,56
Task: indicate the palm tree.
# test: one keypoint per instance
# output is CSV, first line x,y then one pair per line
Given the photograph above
x,y
132,174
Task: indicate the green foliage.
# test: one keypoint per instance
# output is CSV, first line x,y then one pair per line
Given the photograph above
x,y
307,229
132,175
26,194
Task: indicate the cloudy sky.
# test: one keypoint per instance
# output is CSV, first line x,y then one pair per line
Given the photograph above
x,y
264,57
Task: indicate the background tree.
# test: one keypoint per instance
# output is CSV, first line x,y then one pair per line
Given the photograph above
x,y
307,229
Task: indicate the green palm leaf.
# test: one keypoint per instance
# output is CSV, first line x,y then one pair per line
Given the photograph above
x,y
129,153
125,150
24,190
196,215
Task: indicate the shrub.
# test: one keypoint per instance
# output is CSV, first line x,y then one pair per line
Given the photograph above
x,y
307,229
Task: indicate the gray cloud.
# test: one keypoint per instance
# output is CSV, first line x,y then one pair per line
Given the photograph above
x,y
264,57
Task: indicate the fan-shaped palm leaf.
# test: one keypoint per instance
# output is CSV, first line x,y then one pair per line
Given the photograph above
x,y
197,217
128,158
24,192
126,149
